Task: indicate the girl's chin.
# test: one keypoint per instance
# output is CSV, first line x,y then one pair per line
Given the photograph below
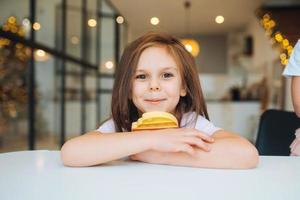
x,y
156,109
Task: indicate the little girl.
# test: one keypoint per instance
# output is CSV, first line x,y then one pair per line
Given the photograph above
x,y
157,73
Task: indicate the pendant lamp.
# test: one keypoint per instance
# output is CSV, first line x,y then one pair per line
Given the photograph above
x,y
190,44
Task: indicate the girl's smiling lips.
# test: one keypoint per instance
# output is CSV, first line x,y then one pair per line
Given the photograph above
x,y
154,101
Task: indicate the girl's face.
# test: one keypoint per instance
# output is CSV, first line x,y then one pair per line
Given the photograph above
x,y
157,82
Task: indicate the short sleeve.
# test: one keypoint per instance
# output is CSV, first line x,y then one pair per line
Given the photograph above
x,y
293,66
107,127
206,126
193,120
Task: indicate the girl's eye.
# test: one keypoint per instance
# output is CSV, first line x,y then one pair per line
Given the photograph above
x,y
141,76
168,75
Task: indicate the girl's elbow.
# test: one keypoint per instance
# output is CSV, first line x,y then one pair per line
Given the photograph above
x,y
66,154
251,158
297,107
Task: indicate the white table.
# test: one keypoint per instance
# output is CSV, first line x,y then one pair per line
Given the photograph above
x,y
41,175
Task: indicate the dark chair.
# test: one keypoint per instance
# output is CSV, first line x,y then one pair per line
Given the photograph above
x,y
276,132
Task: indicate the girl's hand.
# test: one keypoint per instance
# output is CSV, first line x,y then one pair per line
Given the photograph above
x,y
150,156
178,140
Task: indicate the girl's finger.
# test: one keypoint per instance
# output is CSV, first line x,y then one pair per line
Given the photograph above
x,y
133,157
202,136
197,142
185,148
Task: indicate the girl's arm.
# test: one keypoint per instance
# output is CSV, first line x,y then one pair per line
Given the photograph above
x,y
96,148
228,151
296,94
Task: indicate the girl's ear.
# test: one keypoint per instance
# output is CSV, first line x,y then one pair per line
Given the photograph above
x,y
183,92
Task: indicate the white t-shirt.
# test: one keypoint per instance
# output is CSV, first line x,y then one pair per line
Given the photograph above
x,y
187,121
293,66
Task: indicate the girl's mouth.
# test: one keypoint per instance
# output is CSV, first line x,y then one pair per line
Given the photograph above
x,y
154,101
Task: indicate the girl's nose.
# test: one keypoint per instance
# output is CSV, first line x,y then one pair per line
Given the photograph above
x,y
154,86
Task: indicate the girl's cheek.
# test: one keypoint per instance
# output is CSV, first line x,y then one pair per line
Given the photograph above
x,y
138,88
174,85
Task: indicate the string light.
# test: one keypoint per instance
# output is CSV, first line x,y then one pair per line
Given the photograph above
x,y
13,93
12,20
289,50
277,38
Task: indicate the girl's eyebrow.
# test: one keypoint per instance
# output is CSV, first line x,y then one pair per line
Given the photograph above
x,y
166,68
169,68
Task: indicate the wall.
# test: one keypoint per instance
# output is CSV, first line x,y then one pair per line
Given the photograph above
x,y
212,58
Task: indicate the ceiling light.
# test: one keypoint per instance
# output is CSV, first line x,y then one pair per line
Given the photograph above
x,y
92,22
154,21
120,20
219,19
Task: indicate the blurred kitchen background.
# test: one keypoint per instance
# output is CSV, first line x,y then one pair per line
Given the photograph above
x,y
57,60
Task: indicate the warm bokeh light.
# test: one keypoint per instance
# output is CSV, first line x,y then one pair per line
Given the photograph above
x,y
25,22
40,55
283,56
74,40
289,50
266,18
188,47
191,46
36,26
120,20
284,61
154,21
278,37
12,20
272,24
219,19
92,22
285,43
109,64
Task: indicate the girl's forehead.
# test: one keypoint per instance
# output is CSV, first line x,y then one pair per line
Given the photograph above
x,y
157,57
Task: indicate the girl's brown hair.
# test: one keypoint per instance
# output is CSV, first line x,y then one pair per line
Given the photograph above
x,y
124,112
